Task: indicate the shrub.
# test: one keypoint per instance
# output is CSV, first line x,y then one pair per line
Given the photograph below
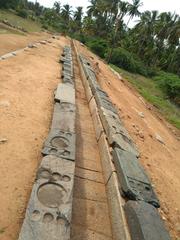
x,y
22,13
124,59
98,46
170,84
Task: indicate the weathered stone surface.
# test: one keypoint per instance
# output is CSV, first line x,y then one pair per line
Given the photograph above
x,y
89,175
144,222
119,226
60,144
68,80
87,88
133,179
92,214
115,131
64,117
104,102
66,73
96,120
48,215
8,55
65,93
106,158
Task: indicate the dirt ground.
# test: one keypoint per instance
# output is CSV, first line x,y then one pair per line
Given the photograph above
x,y
12,42
161,161
27,84
26,102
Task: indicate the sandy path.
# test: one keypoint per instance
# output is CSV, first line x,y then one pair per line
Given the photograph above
x,y
26,100
12,42
162,162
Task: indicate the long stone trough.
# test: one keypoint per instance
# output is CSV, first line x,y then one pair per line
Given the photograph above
x,y
132,200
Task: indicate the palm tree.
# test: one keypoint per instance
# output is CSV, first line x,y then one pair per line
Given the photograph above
x,y
122,10
66,13
57,7
134,9
92,8
78,14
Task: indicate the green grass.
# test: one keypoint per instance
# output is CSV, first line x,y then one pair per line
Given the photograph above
x,y
27,24
149,89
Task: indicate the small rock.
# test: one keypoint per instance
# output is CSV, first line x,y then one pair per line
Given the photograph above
x,y
141,135
3,140
43,42
141,114
159,138
5,103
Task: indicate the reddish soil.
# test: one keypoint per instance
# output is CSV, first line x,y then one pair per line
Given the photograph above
x,y
12,42
27,84
161,161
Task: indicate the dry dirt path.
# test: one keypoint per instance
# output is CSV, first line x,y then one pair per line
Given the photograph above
x,y
27,84
161,161
12,42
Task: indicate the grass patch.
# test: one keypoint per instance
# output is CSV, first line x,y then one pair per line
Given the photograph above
x,y
150,90
5,30
27,24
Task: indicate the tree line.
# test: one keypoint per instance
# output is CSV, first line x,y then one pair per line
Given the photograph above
x,y
152,45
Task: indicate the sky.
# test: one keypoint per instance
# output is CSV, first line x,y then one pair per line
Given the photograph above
x,y
160,5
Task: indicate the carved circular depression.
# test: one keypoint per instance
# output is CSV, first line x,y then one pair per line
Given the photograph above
x,y
36,215
66,178
59,142
44,173
51,194
56,176
48,217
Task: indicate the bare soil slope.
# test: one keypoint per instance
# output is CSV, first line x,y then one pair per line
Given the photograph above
x,y
12,42
27,84
161,161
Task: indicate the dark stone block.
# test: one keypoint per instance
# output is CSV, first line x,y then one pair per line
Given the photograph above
x,y
116,133
134,182
48,214
104,102
145,222
60,144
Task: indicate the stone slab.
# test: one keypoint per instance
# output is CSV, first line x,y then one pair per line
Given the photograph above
x,y
60,144
65,93
96,120
66,60
92,214
68,80
106,158
145,222
91,190
134,182
115,131
49,211
89,175
87,88
66,73
117,215
83,233
104,102
64,117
